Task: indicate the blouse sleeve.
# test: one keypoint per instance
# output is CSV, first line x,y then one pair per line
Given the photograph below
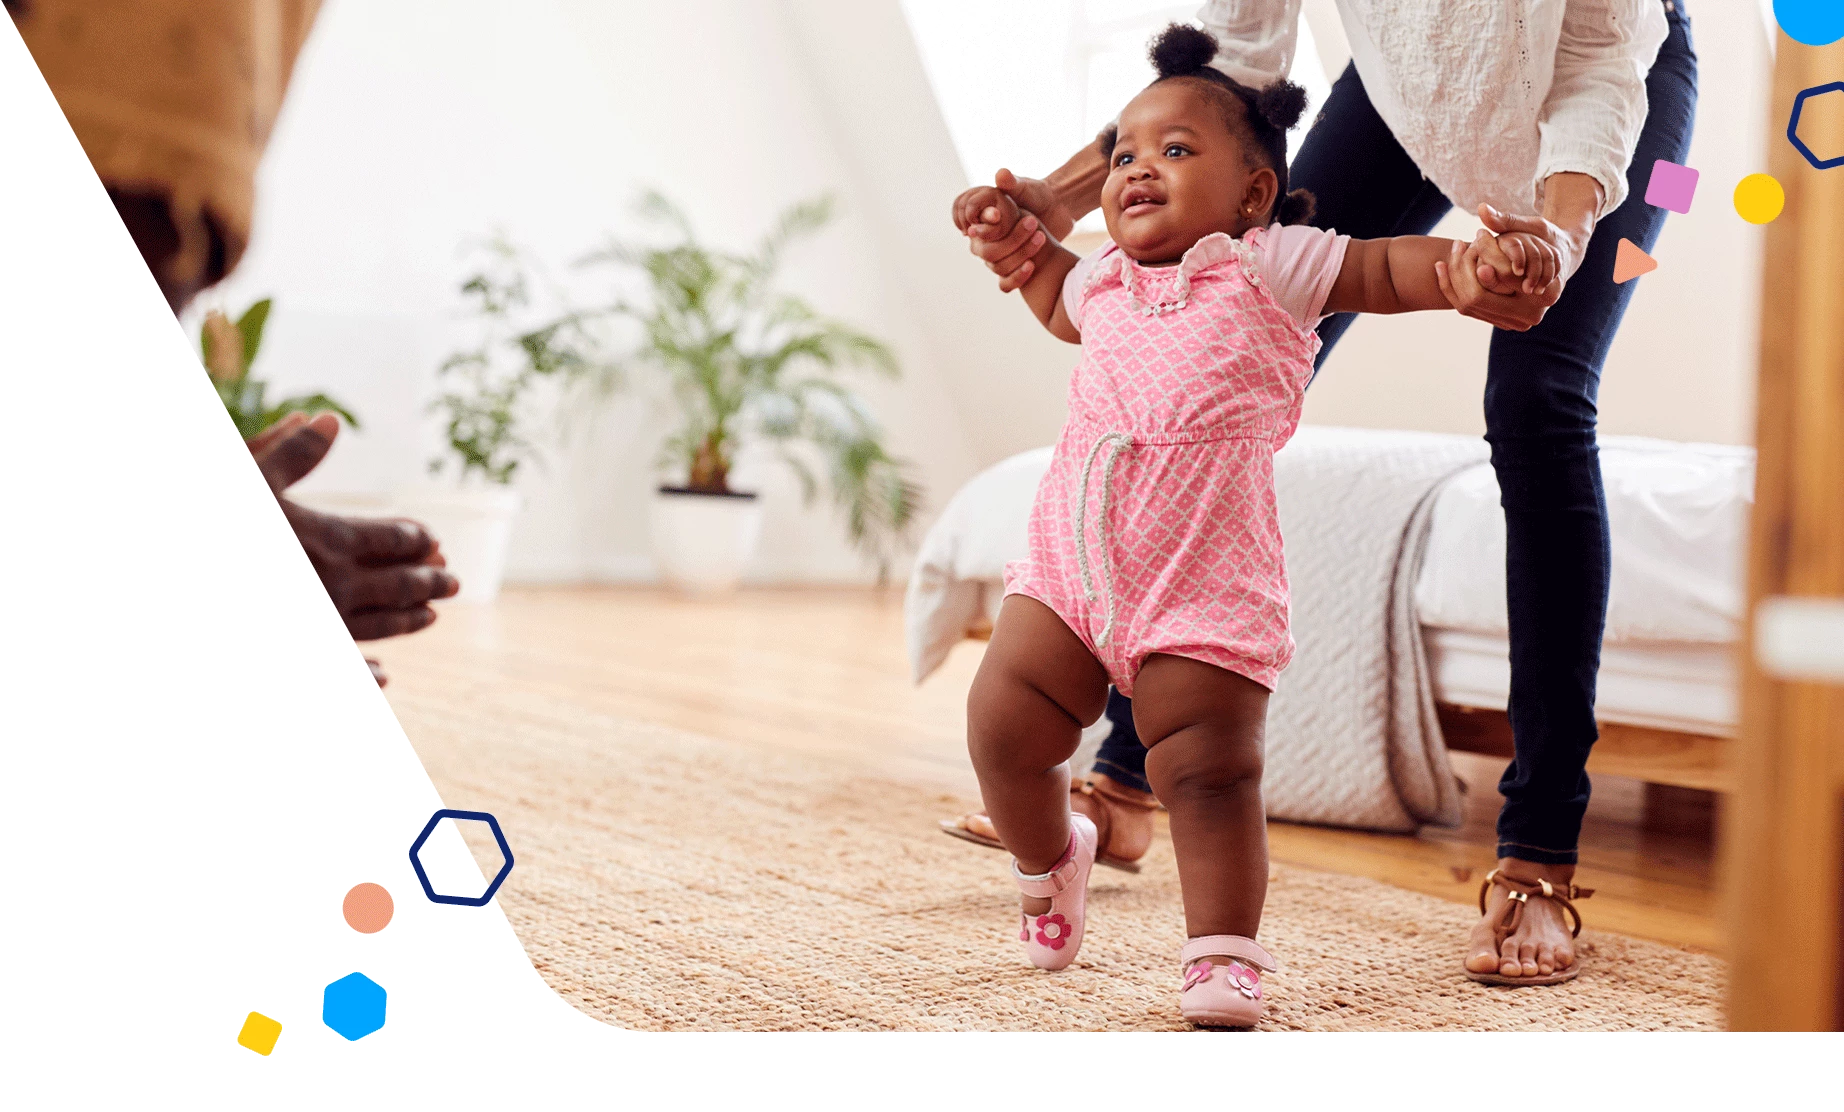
x,y
1255,38
1300,264
1597,104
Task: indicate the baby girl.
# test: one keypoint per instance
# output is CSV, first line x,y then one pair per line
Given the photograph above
x,y
1155,551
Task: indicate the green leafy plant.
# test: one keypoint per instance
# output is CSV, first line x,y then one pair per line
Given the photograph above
x,y
486,387
229,350
743,362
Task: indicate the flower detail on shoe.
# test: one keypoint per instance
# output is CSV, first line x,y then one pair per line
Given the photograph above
x,y
1024,928
1198,975
1246,980
1052,931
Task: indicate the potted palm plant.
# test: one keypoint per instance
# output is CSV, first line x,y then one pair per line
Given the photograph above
x,y
737,363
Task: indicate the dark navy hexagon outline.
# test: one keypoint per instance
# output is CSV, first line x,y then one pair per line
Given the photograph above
x,y
1792,125
422,877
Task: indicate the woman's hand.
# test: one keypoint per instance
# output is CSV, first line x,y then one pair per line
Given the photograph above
x,y
1461,283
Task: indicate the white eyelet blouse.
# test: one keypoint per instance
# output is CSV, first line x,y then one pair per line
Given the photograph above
x,y
1489,97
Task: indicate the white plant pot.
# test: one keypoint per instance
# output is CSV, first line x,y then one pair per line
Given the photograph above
x,y
474,527
703,542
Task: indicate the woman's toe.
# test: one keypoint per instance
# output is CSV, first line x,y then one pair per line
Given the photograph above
x,y
1508,963
978,823
1546,960
1527,959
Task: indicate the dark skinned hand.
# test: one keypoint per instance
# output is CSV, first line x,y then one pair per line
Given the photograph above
x,y
381,574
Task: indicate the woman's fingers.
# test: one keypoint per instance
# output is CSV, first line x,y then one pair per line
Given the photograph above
x,y
1017,278
1003,255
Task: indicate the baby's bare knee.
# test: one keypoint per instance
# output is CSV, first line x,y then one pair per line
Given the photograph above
x,y
1013,725
1201,765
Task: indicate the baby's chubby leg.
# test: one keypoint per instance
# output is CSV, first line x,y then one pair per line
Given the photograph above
x,y
1203,727
1036,688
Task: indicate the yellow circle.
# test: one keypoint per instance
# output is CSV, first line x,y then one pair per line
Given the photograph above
x,y
1759,198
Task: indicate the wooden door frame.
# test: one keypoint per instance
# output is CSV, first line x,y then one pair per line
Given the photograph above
x,y
1783,868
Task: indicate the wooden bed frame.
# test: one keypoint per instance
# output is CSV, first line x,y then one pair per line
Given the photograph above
x,y
1668,757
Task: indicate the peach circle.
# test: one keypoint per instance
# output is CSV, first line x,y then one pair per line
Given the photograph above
x,y
368,908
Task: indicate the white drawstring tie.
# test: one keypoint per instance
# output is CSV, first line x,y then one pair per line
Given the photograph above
x,y
1115,443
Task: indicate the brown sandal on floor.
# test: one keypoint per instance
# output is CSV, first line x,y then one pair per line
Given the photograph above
x,y
1104,823
1512,914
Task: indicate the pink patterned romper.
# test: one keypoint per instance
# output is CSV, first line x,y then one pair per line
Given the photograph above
x,y
1155,529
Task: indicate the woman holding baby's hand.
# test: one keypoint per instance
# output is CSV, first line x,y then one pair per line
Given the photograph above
x,y
1545,116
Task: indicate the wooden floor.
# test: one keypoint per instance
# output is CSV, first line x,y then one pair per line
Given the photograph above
x,y
824,672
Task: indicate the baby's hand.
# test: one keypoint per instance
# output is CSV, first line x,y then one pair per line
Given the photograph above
x,y
1003,234
1516,262
985,211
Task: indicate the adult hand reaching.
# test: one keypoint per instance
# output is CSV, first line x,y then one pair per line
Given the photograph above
x,y
380,574
1478,283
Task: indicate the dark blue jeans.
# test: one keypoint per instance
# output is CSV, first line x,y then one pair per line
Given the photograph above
x,y
1540,393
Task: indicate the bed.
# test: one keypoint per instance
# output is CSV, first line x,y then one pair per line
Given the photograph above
x,y
1396,550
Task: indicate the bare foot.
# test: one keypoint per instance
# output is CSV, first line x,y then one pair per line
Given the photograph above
x,y
1542,943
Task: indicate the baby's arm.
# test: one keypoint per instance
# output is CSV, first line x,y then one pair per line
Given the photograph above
x,y
1394,275
1043,288
1397,275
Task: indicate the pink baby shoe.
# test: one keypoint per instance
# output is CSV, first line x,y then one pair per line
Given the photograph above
x,y
1224,995
1052,939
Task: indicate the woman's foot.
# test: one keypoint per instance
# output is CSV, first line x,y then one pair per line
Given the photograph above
x,y
1055,903
1543,942
1123,818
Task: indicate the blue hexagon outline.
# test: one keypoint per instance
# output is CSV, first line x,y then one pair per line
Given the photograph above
x,y
326,1003
422,877
1792,125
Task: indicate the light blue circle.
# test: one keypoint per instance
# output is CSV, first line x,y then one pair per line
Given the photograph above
x,y
1813,22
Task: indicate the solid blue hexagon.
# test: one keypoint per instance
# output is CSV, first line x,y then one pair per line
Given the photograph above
x,y
1792,125
422,876
353,1006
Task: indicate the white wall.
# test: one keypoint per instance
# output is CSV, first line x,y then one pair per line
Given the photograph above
x,y
414,125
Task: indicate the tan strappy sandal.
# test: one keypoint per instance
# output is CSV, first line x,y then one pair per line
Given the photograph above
x,y
1512,914
1104,823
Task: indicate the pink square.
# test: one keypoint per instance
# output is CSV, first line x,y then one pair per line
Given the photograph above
x,y
1672,186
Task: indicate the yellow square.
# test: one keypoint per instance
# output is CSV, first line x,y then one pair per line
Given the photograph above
x,y
259,1033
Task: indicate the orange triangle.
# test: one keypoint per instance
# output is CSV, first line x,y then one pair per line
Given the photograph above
x,y
1630,262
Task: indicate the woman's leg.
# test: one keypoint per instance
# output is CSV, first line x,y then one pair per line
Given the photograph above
x,y
1363,183
1203,730
1037,686
1540,395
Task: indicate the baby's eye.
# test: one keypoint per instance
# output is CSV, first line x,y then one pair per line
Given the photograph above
x,y
1175,150
1122,159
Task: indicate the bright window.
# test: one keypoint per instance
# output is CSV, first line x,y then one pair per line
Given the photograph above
x,y
1025,83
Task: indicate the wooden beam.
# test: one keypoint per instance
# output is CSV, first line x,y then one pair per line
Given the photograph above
x,y
1782,832
1668,757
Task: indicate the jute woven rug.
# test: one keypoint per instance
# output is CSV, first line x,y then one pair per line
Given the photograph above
x,y
667,881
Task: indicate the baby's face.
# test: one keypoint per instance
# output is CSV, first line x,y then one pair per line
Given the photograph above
x,y
1177,174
